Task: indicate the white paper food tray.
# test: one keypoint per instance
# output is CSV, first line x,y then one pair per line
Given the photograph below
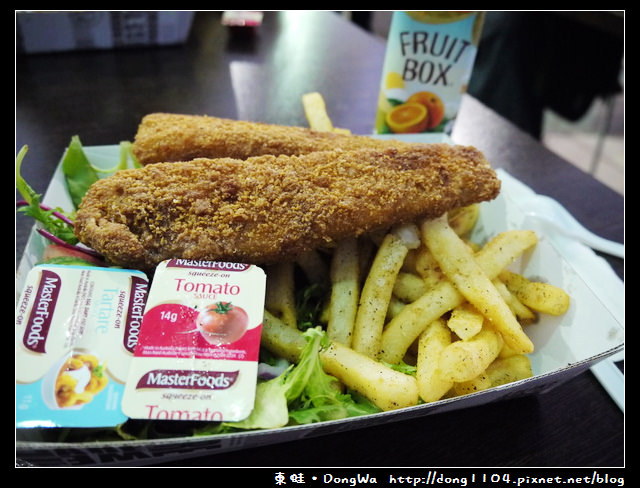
x,y
566,346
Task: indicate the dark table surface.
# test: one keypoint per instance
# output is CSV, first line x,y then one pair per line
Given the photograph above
x,y
102,95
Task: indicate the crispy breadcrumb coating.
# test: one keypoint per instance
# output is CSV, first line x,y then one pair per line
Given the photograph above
x,y
164,138
268,209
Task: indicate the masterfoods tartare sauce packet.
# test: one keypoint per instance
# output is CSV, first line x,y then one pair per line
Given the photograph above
x,y
197,353
76,332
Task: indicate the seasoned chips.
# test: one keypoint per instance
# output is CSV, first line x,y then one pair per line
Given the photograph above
x,y
450,309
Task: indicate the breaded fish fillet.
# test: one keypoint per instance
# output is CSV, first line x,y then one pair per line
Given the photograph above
x,y
163,137
267,209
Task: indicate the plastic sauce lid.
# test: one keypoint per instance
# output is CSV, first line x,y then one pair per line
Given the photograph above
x,y
198,348
76,332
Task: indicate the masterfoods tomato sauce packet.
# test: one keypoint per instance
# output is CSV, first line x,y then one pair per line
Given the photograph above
x,y
76,332
197,353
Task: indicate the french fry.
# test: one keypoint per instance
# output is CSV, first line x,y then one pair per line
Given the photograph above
x,y
281,339
464,219
428,268
465,321
508,370
345,291
409,265
431,385
474,246
315,111
464,360
366,250
409,287
479,383
385,387
377,291
499,372
542,297
459,265
442,297
280,294
507,352
524,314
503,249
313,266
414,317
395,306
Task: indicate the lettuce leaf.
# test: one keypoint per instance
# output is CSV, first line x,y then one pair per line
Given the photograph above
x,y
78,172
54,220
302,394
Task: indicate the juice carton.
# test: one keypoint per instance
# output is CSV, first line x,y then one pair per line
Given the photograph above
x,y
428,63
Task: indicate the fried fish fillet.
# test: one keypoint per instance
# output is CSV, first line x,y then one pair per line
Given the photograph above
x,y
268,209
164,137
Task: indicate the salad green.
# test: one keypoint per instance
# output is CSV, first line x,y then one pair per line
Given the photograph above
x,y
302,394
56,222
78,172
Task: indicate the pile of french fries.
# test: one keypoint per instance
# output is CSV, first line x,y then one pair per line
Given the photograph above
x,y
422,296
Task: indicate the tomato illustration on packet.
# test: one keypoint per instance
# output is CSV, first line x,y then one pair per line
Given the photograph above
x,y
188,331
222,323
